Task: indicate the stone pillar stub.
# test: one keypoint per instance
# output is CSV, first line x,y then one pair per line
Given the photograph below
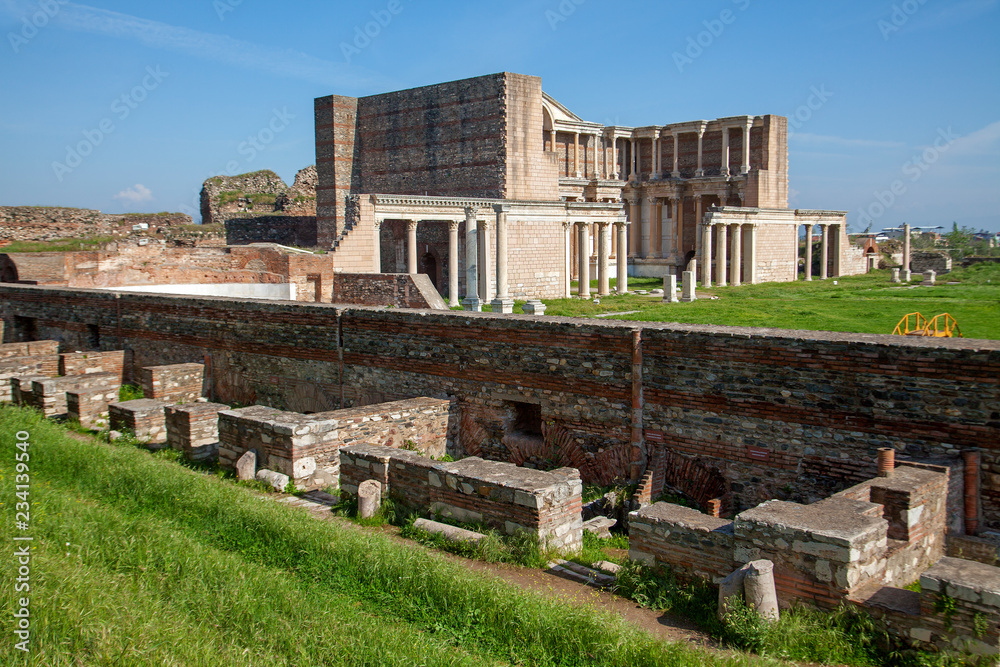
x,y
411,246
670,289
687,287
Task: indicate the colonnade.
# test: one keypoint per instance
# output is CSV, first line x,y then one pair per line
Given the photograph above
x,y
829,250
733,247
480,265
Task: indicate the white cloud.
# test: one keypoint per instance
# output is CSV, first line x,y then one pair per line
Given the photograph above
x,y
980,142
135,195
219,48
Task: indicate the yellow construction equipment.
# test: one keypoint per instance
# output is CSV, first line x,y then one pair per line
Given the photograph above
x,y
939,326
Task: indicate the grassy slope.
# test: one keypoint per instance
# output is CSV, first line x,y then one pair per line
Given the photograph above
x,y
168,566
858,304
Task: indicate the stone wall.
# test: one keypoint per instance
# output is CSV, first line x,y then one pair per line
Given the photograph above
x,y
37,365
501,495
292,230
691,543
397,290
921,261
306,447
46,223
259,192
795,415
80,363
48,395
90,406
143,417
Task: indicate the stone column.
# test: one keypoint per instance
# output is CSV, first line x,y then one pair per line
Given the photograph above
x,y
583,288
377,259
746,148
552,135
472,301
411,246
706,255
631,143
735,277
809,252
824,251
701,137
676,173
603,257
721,258
676,224
453,263
751,254
621,258
568,263
614,158
635,217
638,159
725,151
647,227
836,250
906,252
664,228
576,154
656,158
502,303
483,236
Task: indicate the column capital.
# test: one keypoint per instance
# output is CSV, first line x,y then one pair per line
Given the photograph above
x,y
621,223
411,225
484,223
603,224
453,225
470,212
378,223
582,223
702,126
567,224
652,199
501,208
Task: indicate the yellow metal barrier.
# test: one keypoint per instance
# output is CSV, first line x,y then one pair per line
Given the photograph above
x,y
939,326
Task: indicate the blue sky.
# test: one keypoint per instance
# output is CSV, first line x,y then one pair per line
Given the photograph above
x,y
894,107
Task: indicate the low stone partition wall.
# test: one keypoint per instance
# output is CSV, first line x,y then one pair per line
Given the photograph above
x,y
886,530
30,349
956,610
692,543
175,383
473,490
20,387
193,429
974,548
40,365
49,395
90,406
79,363
144,417
306,447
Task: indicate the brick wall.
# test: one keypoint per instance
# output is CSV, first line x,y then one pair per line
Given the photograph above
x,y
144,417
193,429
79,363
399,290
42,365
90,406
29,349
173,383
801,413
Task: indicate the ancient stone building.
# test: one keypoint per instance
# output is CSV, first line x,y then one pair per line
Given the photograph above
x,y
492,188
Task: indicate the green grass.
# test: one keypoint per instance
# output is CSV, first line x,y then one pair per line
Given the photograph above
x,y
857,304
130,392
137,560
57,245
598,548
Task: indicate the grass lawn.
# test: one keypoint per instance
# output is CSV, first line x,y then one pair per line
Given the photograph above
x,y
857,304
137,560
57,245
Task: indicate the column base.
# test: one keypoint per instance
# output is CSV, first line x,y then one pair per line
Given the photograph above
x,y
675,174
907,275
699,173
505,306
472,304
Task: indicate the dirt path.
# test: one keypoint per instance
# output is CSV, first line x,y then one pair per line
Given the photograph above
x,y
547,582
